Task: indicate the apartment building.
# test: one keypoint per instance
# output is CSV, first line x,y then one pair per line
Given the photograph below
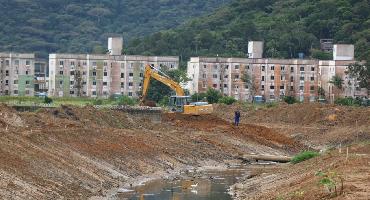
x,y
271,78
17,74
87,75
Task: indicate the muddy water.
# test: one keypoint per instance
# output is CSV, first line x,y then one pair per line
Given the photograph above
x,y
209,185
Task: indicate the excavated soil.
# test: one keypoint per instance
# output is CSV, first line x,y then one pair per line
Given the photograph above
x,y
77,153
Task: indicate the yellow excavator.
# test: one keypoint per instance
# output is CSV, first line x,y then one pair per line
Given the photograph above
x,y
179,103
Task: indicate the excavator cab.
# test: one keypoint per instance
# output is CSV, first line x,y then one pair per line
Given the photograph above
x,y
177,103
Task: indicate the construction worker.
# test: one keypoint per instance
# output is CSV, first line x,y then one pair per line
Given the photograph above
x,y
237,118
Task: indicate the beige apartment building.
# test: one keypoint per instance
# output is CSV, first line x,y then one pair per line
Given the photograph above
x,y
271,78
91,75
17,74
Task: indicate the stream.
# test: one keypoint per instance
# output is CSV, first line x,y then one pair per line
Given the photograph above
x,y
208,185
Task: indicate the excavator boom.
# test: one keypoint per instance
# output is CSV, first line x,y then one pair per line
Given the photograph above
x,y
180,102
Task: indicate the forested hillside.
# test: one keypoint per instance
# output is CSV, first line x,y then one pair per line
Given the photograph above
x,y
45,26
288,27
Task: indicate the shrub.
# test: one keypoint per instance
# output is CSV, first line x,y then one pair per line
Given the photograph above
x,y
48,100
290,100
305,155
198,97
97,102
348,101
213,95
271,105
125,100
227,100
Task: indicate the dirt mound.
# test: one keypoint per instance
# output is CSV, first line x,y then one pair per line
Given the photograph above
x,y
259,134
302,114
9,117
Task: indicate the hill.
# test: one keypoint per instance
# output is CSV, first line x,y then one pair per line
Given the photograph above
x,y
45,26
288,27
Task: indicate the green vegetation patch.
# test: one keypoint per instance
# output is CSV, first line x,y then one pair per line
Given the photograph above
x,y
305,155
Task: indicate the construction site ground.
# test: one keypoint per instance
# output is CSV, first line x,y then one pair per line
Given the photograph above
x,y
79,153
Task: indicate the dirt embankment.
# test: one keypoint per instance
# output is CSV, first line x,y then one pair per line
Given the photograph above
x,y
82,152
346,178
316,125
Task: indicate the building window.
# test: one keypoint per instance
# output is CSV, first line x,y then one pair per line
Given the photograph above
x,y
105,83
204,75
15,92
7,62
312,78
72,63
94,73
131,74
27,92
6,82
263,68
122,65
15,82
282,78
272,78
105,64
227,67
130,84
72,73
262,87
282,68
122,75
6,72
214,75
312,69
122,85
272,68
215,67
312,88
301,78
94,93
60,82
225,85
72,92
236,67
27,72
16,62
94,64
247,66
237,76
60,72
105,73
71,82
291,88
84,63
214,85
94,82
291,79
130,94
301,88
272,87
27,82
292,69
205,66
61,63
226,76
282,87
28,63
301,69
141,75
263,78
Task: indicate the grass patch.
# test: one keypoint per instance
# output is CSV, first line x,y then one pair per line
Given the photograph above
x,y
305,155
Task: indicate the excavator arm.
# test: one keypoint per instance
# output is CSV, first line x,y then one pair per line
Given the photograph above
x,y
151,72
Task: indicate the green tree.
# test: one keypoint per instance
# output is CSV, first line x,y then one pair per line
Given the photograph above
x,y
361,72
213,95
337,81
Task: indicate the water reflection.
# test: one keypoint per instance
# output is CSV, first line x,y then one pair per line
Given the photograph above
x,y
212,185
